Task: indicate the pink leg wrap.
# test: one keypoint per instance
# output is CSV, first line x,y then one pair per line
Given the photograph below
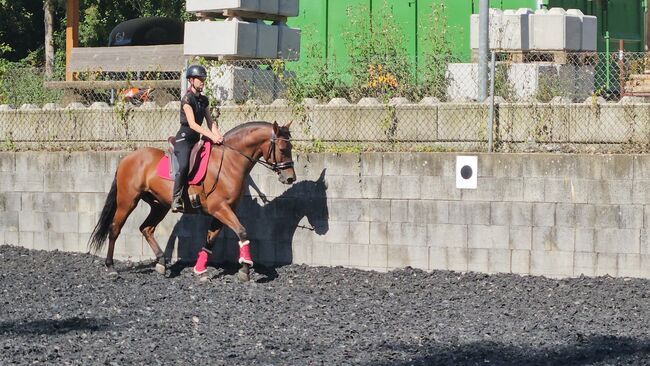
x,y
201,262
245,253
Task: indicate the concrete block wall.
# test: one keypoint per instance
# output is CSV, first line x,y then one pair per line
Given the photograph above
x,y
538,214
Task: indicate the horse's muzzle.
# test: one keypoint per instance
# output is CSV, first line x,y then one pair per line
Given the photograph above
x,y
287,176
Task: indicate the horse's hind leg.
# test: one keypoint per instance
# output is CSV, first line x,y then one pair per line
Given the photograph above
x,y
126,203
156,215
202,260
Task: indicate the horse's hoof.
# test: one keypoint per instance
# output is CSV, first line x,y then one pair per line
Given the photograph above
x,y
111,272
160,268
243,276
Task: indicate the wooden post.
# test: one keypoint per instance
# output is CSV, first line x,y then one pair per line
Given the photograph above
x,y
71,33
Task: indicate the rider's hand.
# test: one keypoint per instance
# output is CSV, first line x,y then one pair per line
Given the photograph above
x,y
218,139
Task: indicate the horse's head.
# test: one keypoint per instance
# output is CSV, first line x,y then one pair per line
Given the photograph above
x,y
278,153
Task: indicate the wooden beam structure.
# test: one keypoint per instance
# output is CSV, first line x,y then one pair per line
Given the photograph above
x,y
71,33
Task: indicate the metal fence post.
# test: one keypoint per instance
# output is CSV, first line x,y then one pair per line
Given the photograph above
x,y
491,110
483,48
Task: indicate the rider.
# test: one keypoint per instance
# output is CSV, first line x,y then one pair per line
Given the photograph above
x,y
194,108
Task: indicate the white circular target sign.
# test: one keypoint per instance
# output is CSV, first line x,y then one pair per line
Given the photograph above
x,y
466,172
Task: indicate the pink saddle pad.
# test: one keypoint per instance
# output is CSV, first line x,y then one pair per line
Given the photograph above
x,y
163,166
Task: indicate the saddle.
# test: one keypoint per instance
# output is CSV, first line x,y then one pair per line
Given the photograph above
x,y
198,165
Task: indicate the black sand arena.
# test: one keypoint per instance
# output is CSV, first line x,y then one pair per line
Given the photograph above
x,y
60,308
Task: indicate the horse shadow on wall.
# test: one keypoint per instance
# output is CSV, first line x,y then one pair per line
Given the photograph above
x,y
275,227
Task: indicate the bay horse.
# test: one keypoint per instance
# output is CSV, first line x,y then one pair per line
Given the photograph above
x,y
136,179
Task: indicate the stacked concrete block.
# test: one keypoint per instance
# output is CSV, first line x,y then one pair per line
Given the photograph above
x,y
509,29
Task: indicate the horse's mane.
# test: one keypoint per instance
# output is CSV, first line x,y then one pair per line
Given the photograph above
x,y
237,129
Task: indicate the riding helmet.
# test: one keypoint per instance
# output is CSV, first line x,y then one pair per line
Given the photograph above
x,y
196,71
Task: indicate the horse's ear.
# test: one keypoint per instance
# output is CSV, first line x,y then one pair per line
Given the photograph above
x,y
288,124
276,128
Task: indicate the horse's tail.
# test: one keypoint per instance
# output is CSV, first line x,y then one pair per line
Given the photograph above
x,y
98,237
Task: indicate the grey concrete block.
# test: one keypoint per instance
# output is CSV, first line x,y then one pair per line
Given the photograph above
x,y
27,182
585,240
499,261
339,232
10,220
641,167
343,187
11,238
606,264
439,188
520,262
371,187
322,254
478,260
618,241
629,265
400,187
399,211
372,164
486,236
7,161
641,191
520,237
585,264
564,190
49,202
511,213
379,210
10,201
62,222
379,233
447,235
462,212
406,234
391,164
343,164
613,192
31,221
551,263
428,212
645,265
585,215
340,255
631,216
359,255
348,210
378,256
617,166
543,214
495,189
502,165
408,256
420,164
360,232
438,258
302,252
533,189
58,182
565,215
553,239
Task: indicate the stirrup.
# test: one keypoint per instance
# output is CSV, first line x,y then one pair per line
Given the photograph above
x,y
177,205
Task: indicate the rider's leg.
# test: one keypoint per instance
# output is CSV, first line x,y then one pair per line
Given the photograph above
x,y
182,151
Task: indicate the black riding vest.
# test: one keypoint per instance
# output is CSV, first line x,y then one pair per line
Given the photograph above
x,y
199,105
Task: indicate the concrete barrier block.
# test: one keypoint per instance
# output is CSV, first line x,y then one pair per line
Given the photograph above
x,y
416,122
551,263
478,260
438,258
12,238
407,234
31,221
641,191
371,164
488,236
378,256
48,202
408,256
62,222
359,255
629,265
457,259
520,262
543,214
645,266
439,188
7,162
371,187
565,214
606,264
585,215
322,254
641,166
343,164
339,232
348,210
302,252
503,165
475,213
585,264
428,212
520,237
447,235
10,220
360,232
343,187
499,261
27,182
625,241
553,239
612,192
379,210
399,211
379,233
462,121
585,240
617,166
533,189
420,164
11,201
391,164
400,187
511,213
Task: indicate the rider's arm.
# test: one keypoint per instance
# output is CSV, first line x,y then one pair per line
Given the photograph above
x,y
189,114
213,125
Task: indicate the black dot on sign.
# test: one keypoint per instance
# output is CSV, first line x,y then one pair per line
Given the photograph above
x,y
466,172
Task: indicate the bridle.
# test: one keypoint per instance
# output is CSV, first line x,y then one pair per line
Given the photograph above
x,y
275,166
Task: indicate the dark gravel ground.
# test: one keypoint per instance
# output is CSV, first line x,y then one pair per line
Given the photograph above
x,y
61,308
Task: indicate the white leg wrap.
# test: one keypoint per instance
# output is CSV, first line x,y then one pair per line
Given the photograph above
x,y
242,243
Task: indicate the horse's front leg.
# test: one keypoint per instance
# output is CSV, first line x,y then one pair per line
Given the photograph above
x,y
201,265
226,215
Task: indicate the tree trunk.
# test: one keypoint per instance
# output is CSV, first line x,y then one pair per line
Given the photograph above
x,y
49,32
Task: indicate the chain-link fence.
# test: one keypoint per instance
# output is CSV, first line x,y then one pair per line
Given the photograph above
x,y
552,101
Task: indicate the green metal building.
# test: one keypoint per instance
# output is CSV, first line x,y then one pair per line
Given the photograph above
x,y
324,22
